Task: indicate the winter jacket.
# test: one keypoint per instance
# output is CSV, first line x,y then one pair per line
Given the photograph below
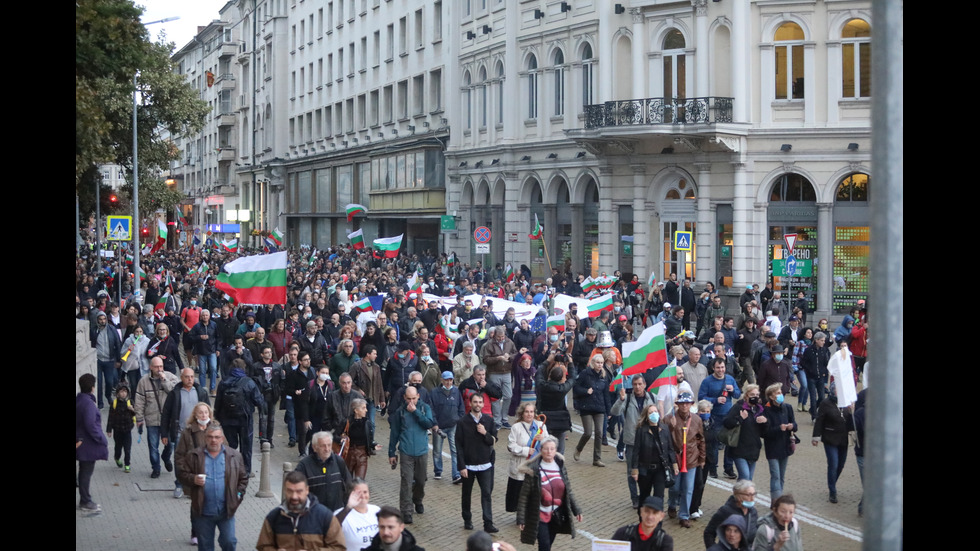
x,y
252,397
314,528
408,430
336,411
340,363
408,543
317,349
447,406
204,347
491,392
493,353
472,447
191,438
236,478
517,444
297,380
832,424
169,352
696,450
366,376
723,545
775,372
711,389
731,507
330,481
172,419
658,541
137,359
775,439
115,342
631,415
529,502
750,435
88,430
815,360
652,447
151,395
768,531
598,401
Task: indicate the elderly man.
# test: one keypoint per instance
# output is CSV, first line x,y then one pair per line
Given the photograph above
x,y
217,479
338,407
313,343
107,344
151,395
498,355
326,473
341,362
255,344
687,433
694,370
366,376
300,522
409,424
176,410
448,409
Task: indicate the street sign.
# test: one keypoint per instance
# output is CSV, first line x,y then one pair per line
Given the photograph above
x,y
801,267
120,228
790,239
447,223
512,237
482,235
482,248
683,240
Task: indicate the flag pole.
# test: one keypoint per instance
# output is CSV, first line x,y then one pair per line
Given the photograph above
x,y
544,243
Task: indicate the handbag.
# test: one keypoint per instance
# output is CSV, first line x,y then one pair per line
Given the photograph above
x,y
729,437
791,446
341,446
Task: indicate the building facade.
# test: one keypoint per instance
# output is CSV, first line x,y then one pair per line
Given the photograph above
x,y
618,124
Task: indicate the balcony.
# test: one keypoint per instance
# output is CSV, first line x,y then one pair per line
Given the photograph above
x,y
658,111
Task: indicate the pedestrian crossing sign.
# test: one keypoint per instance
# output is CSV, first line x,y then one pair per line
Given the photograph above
x,y
119,228
683,240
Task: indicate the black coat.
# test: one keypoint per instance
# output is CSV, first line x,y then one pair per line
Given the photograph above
x,y
646,451
528,512
776,440
598,401
750,436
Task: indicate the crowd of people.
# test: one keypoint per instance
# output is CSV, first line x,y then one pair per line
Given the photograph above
x,y
175,358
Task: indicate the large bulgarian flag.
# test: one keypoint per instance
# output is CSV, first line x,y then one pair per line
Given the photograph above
x,y
276,237
537,230
557,321
357,239
257,279
161,236
414,283
649,350
389,245
599,304
355,209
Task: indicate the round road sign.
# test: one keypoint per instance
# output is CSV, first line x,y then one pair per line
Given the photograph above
x,y
482,234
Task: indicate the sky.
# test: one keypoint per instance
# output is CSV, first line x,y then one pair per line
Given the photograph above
x,y
192,13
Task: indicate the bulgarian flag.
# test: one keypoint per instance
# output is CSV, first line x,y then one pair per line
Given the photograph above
x,y
142,273
451,261
557,321
537,230
357,239
355,209
257,279
605,282
389,245
413,282
158,309
363,305
589,285
231,246
597,305
161,236
667,377
649,350
276,237
509,273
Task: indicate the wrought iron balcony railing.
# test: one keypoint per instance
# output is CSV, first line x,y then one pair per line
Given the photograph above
x,y
638,112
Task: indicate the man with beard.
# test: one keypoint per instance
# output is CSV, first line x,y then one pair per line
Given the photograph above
x,y
300,522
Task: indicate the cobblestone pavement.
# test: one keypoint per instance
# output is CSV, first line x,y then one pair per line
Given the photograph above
x,y
141,513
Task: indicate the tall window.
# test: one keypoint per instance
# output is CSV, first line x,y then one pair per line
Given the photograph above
x,y
856,62
789,61
587,82
483,97
467,104
559,83
500,93
532,87
674,65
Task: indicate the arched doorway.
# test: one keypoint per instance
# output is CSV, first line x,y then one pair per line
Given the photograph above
x,y
678,213
852,236
793,210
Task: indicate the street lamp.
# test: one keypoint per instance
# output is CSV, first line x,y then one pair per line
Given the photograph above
x,y
136,177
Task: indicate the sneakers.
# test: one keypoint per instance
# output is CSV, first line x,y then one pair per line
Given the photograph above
x,y
437,476
621,456
119,463
458,480
155,473
713,475
178,492
505,424
730,475
577,454
491,529
127,470
598,463
91,507
167,464
696,514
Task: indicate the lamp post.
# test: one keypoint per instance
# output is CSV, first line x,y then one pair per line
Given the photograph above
x,y
136,177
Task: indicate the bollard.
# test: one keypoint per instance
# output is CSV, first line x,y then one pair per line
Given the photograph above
x,y
287,467
265,484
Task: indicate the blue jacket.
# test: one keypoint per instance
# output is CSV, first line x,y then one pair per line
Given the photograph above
x,y
408,430
206,346
447,406
711,389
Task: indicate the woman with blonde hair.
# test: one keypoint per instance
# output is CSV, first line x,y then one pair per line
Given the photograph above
x,y
193,437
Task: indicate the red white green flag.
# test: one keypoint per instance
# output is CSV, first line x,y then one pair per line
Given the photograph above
x,y
599,304
558,322
357,239
588,285
161,236
414,283
276,237
158,309
509,274
649,350
537,230
363,305
230,246
451,261
604,282
389,245
354,209
259,279
667,377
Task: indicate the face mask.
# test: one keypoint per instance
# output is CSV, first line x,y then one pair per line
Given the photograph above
x,y
779,357
705,416
204,422
553,338
616,309
748,504
654,417
754,400
323,377
416,385
308,315
574,312
193,303
426,358
401,356
780,399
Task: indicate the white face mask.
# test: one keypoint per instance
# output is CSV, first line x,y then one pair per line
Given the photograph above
x,y
204,422
323,377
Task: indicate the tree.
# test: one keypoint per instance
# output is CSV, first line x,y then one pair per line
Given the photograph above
x,y
111,47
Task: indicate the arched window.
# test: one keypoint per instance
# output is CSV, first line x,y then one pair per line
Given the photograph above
x,y
467,103
792,187
789,61
532,87
587,78
483,97
853,188
856,59
500,93
674,65
559,62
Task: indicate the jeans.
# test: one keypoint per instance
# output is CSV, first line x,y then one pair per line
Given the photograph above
x,y
684,488
804,387
836,457
412,489
290,419
816,387
777,477
133,378
85,470
591,423
267,419
153,442
204,527
173,444
485,478
208,364
437,451
108,378
745,468
501,406
546,533
560,435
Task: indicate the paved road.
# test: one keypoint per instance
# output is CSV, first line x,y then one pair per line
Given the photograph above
x,y
141,513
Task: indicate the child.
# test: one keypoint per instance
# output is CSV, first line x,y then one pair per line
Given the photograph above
x,y
704,411
122,417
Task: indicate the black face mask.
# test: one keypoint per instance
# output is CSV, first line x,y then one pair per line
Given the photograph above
x,y
754,400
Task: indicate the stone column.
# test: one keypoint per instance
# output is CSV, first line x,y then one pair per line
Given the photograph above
x,y
701,43
641,223
705,234
742,229
825,257
578,237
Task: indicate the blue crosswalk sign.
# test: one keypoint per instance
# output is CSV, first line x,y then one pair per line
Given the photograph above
x,y
683,240
119,228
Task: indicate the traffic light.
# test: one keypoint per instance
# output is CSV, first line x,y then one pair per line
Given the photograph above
x,y
113,198
146,231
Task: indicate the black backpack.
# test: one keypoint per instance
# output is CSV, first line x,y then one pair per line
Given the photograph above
x,y
233,402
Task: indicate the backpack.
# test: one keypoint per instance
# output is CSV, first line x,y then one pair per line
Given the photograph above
x,y
233,403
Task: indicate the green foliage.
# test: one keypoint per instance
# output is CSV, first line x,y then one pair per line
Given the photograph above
x,y
111,46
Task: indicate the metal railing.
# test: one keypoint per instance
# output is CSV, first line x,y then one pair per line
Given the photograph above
x,y
634,112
